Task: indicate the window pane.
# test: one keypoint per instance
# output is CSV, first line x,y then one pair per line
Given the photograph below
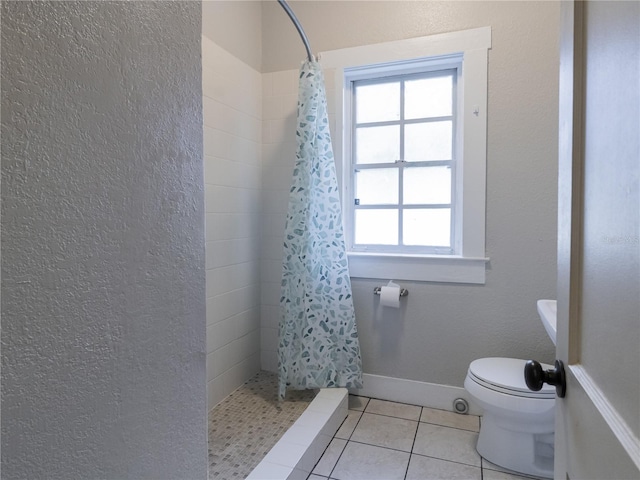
x,y
376,227
378,144
428,141
378,103
428,97
430,227
427,185
377,186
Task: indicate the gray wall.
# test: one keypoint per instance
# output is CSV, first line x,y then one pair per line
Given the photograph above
x,y
235,26
103,312
441,328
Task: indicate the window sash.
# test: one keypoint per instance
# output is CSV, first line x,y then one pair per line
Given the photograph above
x,y
401,164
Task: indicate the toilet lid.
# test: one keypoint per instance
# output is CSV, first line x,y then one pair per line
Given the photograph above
x,y
506,375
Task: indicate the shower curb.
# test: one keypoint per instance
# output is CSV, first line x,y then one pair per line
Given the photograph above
x,y
297,452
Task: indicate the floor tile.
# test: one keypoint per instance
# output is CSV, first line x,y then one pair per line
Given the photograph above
x,y
330,457
393,409
349,424
447,444
385,431
357,403
450,419
427,468
316,477
366,462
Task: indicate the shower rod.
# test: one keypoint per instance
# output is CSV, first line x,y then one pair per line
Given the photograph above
x,y
295,21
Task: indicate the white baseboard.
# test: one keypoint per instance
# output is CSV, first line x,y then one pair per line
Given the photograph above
x,y
425,394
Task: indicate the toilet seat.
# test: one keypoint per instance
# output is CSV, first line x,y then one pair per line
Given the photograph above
x,y
506,375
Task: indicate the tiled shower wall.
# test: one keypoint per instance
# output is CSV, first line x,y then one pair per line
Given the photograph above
x,y
249,148
279,104
232,100
279,101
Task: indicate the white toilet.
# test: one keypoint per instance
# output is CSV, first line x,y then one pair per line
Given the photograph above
x,y
517,426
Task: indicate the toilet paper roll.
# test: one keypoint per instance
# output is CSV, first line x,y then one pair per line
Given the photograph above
x,y
390,296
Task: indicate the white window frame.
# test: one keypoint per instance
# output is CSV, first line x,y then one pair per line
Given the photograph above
x,y
396,71
468,265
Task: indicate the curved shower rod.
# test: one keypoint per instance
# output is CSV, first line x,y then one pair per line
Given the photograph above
x,y
295,21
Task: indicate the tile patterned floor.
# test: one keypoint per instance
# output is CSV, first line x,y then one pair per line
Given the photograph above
x,y
245,425
383,440
379,440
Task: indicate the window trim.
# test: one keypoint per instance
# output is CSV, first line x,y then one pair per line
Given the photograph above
x,y
470,265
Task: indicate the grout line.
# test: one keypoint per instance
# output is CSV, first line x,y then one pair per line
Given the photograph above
x,y
451,461
380,446
356,425
418,421
449,426
401,403
321,456
481,457
346,441
420,416
406,472
393,416
339,456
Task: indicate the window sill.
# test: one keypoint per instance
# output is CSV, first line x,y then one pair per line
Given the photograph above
x,y
423,268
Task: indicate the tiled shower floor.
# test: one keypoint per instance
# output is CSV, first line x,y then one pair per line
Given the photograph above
x,y
379,440
248,423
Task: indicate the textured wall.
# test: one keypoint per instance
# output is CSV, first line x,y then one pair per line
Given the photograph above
x,y
103,312
232,105
441,328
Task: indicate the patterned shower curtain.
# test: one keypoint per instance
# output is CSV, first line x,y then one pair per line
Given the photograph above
x,y
318,339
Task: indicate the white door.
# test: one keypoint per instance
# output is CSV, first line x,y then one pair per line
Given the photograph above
x,y
598,339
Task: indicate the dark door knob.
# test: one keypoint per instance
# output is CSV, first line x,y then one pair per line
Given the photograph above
x,y
535,377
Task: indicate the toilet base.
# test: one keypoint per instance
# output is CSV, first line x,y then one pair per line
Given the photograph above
x,y
528,453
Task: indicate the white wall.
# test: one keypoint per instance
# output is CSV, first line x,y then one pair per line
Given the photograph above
x,y
232,101
441,328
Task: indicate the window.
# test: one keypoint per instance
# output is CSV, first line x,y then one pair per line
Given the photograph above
x,y
403,143
410,144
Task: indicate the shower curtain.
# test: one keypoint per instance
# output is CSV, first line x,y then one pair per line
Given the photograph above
x,y
318,339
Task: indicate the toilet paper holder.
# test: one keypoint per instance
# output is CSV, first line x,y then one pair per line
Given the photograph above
x,y
403,291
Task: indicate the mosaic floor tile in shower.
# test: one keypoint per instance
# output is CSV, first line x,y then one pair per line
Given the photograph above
x,y
248,423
